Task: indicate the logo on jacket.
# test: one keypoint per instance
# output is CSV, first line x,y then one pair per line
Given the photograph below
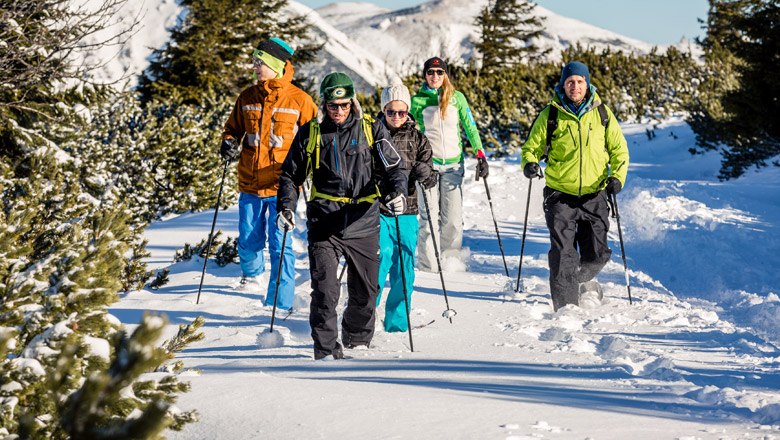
x,y
339,92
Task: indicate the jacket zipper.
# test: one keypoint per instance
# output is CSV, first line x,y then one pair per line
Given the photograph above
x,y
579,129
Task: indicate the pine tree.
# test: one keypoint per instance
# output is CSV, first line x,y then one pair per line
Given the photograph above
x,y
64,237
508,28
741,48
210,50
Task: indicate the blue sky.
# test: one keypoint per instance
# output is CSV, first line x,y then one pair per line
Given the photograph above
x,y
656,21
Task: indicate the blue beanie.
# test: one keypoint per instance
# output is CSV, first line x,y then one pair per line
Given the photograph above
x,y
574,68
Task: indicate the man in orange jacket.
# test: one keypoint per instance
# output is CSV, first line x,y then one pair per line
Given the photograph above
x,y
258,133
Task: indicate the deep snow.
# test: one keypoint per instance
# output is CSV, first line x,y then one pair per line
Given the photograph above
x,y
695,356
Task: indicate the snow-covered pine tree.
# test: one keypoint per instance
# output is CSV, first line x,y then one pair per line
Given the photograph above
x,y
210,49
63,249
741,48
507,30
57,333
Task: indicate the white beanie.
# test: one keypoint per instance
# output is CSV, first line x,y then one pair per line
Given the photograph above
x,y
396,91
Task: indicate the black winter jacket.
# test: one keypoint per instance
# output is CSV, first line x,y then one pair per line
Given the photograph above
x,y
416,153
348,168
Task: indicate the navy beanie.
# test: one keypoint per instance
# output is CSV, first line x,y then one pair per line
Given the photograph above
x,y
574,68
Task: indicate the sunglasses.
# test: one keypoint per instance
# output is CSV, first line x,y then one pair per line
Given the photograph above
x,y
333,106
394,113
434,72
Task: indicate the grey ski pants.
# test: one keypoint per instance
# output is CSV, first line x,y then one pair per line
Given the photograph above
x,y
446,205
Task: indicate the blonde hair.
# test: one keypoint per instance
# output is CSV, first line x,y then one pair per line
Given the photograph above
x,y
445,93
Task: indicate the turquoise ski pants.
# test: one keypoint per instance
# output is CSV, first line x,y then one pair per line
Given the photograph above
x,y
389,263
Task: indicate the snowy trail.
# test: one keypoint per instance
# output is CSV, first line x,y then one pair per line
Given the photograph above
x,y
508,367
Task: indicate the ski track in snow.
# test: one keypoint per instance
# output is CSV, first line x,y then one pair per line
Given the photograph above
x,y
694,357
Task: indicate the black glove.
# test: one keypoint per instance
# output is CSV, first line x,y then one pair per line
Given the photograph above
x,y
532,170
613,185
482,167
229,150
431,181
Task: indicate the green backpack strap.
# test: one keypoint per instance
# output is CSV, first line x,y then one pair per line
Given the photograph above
x,y
315,139
313,146
368,129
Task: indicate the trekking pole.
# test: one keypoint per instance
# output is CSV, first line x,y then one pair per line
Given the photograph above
x,y
449,313
343,269
211,234
490,202
403,280
305,194
613,199
525,228
278,279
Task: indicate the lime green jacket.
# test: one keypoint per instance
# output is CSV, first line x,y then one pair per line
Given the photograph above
x,y
444,133
583,153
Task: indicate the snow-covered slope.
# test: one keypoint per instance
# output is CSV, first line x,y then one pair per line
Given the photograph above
x,y
694,357
122,64
340,53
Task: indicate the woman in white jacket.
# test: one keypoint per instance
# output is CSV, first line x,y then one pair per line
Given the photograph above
x,y
441,112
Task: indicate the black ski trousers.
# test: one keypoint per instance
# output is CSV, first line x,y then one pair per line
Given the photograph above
x,y
357,324
575,224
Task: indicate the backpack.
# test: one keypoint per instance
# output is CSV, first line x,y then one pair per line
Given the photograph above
x,y
313,148
552,124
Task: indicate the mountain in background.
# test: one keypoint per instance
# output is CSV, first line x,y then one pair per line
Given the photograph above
x,y
405,38
371,43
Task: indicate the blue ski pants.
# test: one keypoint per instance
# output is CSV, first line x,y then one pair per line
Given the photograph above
x,y
389,263
256,221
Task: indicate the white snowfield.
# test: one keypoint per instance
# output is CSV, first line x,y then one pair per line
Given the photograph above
x,y
694,357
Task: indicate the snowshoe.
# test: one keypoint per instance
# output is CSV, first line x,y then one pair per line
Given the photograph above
x,y
590,295
248,283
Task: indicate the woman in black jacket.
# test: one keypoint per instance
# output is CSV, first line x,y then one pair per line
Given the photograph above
x,y
415,151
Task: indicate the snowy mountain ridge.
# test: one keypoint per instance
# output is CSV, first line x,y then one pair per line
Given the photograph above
x,y
371,43
407,37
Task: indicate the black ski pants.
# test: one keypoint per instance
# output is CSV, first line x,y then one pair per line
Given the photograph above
x,y
357,324
575,224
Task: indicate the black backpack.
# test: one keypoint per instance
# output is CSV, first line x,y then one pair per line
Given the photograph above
x,y
552,124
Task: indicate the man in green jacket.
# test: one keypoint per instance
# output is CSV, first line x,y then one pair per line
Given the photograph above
x,y
587,160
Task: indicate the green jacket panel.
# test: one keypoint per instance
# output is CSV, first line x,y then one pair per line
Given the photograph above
x,y
444,133
582,153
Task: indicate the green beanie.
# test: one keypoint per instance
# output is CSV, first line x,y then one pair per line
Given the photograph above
x,y
337,85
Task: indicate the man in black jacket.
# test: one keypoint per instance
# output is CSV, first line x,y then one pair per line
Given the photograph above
x,y
352,163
